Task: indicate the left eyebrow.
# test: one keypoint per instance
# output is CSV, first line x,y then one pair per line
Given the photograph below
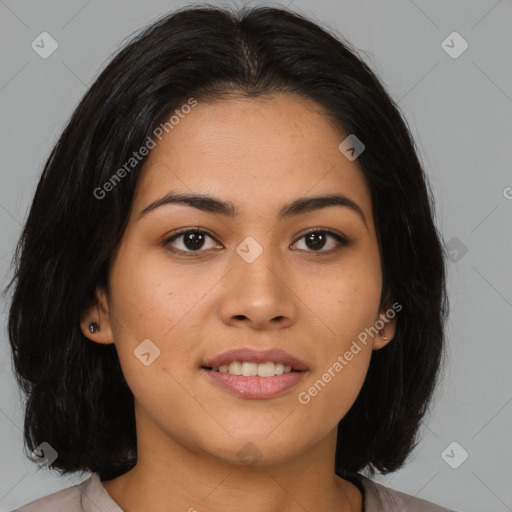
x,y
211,204
308,204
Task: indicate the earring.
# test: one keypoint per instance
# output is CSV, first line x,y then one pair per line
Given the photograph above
x,y
382,335
94,327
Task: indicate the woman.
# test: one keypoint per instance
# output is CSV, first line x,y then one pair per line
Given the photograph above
x,y
230,290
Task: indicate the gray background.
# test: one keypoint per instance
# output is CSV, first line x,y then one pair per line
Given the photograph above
x,y
460,113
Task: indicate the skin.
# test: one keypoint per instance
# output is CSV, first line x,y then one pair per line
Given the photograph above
x,y
259,154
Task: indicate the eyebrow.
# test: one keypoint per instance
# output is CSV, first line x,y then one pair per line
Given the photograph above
x,y
211,204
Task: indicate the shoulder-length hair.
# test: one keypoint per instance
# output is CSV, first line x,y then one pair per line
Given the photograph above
x,y
77,398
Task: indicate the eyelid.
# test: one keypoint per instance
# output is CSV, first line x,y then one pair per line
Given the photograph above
x,y
329,231
188,229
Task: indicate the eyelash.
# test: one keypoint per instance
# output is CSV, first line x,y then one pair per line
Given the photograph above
x,y
341,240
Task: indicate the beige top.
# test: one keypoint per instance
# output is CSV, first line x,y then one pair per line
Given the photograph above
x,y
91,496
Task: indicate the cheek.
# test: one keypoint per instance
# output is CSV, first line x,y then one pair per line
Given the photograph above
x,y
152,312
349,300
325,399
150,295
349,307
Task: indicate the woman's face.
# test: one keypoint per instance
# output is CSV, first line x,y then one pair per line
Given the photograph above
x,y
249,279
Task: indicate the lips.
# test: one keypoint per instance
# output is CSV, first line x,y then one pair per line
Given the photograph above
x,y
256,356
255,387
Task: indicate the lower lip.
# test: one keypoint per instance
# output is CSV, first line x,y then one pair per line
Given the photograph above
x,y
255,387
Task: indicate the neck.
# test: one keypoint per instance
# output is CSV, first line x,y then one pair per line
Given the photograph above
x,y
178,478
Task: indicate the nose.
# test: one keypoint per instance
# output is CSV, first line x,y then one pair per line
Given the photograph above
x,y
259,294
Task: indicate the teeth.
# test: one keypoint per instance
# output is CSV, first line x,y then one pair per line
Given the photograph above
x,y
268,369
235,368
250,369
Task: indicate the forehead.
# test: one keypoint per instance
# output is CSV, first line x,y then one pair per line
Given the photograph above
x,y
252,152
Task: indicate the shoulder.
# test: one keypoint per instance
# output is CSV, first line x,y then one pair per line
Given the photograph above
x,y
65,499
88,496
378,497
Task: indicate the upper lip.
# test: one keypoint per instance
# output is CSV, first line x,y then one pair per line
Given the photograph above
x,y
252,355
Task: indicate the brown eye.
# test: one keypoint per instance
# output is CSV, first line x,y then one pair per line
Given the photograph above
x,y
190,241
317,239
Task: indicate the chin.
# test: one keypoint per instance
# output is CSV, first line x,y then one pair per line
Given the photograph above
x,y
254,450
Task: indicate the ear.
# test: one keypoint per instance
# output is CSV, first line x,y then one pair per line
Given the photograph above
x,y
387,321
98,312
